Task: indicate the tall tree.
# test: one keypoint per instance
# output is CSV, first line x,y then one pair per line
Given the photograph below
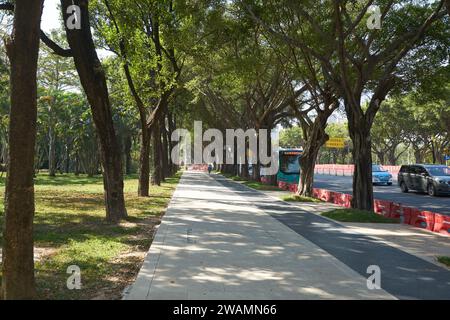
x,y
93,80
22,49
142,37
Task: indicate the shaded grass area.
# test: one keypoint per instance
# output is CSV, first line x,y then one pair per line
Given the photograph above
x,y
444,260
354,215
252,184
70,228
261,186
249,183
297,198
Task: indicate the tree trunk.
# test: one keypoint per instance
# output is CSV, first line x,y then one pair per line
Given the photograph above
x,y
18,264
417,154
127,150
171,129
256,174
315,136
156,174
244,171
433,152
381,157
144,164
244,167
164,150
170,170
392,159
362,177
307,164
51,152
67,163
93,80
77,165
273,177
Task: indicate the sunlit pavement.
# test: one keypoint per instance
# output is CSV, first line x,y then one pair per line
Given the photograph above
x,y
221,240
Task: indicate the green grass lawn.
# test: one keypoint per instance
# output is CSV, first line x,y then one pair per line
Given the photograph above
x,y
297,198
444,260
261,186
252,184
70,229
353,215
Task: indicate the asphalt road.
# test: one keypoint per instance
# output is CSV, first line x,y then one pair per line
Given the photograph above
x,y
392,193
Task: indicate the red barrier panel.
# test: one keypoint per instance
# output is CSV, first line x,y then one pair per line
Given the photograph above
x,y
334,197
441,224
265,180
422,219
396,211
348,203
337,169
197,167
316,193
325,195
282,185
342,199
405,216
382,207
293,187
338,198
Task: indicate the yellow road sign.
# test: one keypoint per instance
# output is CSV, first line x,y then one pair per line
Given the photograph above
x,y
337,143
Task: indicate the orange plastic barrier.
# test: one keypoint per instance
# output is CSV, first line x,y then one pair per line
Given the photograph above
x,y
325,195
197,167
293,187
347,169
422,219
382,207
283,185
348,203
265,180
405,216
441,224
341,199
338,198
396,211
316,193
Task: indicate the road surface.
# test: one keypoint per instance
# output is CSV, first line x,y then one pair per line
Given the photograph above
x,y
222,240
392,193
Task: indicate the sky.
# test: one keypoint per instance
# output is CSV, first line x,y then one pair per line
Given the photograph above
x,y
50,16
51,20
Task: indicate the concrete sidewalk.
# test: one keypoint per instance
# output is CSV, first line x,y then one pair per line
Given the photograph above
x,y
217,242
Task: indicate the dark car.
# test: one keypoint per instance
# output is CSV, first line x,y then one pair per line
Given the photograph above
x,y
432,179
